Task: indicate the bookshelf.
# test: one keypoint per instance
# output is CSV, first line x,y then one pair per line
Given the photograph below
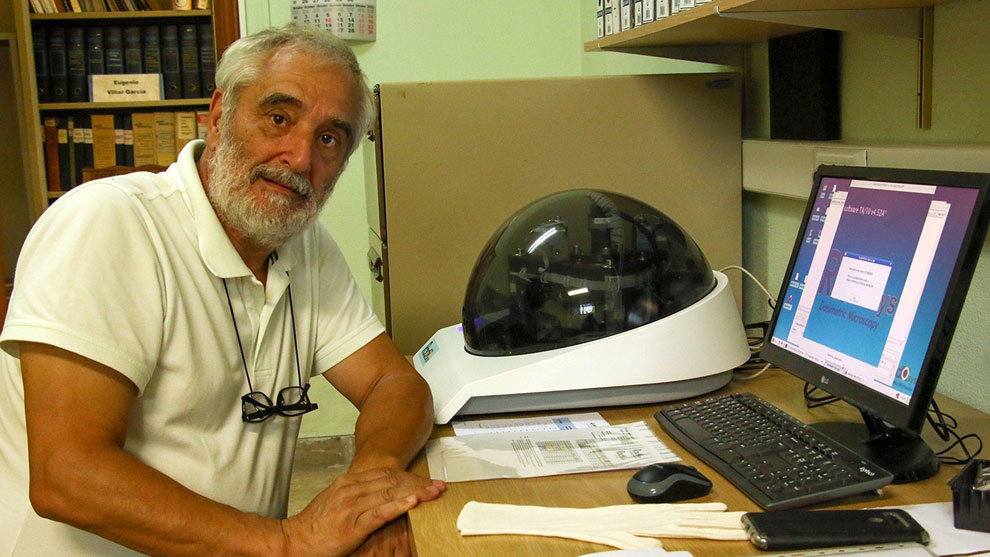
x,y
222,20
711,32
738,22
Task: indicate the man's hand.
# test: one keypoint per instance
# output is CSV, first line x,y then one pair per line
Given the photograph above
x,y
393,539
339,519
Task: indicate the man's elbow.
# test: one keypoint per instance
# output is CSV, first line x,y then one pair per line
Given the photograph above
x,y
53,485
47,499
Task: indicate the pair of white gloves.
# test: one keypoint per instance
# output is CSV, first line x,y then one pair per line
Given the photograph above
x,y
620,526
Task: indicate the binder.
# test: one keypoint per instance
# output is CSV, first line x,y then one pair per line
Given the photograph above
x,y
607,16
143,127
120,154
172,76
132,50
125,124
207,59
67,171
189,61
202,124
76,64
64,166
104,144
95,62
114,43
151,49
79,124
600,17
50,136
185,129
663,8
57,66
87,124
39,40
165,138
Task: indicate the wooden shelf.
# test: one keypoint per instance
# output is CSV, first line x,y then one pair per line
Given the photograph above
x,y
44,107
154,14
737,22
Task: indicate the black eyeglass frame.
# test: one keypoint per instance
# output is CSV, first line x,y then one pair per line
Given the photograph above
x,y
254,410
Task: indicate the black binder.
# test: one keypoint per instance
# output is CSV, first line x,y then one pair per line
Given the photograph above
x,y
76,64
118,139
40,47
95,63
207,59
57,66
114,44
132,50
170,62
151,49
189,61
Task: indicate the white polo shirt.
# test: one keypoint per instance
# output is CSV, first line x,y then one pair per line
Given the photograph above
x,y
127,271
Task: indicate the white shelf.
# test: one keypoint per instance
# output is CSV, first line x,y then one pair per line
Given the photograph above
x,y
785,168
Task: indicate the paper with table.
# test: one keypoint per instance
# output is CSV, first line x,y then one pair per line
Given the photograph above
x,y
544,453
519,425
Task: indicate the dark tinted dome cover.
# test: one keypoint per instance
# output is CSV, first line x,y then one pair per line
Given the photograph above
x,y
578,266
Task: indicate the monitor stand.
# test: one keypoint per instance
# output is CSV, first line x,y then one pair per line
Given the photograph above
x,y
905,456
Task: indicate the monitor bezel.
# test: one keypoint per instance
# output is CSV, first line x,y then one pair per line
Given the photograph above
x,y
910,417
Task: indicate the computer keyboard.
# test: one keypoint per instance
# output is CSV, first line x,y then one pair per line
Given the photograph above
x,y
777,461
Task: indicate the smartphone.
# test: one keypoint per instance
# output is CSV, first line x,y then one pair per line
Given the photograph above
x,y
807,529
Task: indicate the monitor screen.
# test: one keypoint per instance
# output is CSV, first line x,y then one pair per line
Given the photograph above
x,y
875,283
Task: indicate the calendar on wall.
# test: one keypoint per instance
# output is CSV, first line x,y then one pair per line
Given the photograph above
x,y
347,19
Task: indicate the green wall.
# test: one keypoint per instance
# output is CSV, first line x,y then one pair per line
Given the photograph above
x,y
437,40
879,84
454,40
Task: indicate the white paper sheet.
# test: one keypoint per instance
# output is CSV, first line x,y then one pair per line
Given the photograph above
x,y
936,518
544,453
545,423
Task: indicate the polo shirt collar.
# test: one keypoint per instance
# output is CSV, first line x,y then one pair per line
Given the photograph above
x,y
215,247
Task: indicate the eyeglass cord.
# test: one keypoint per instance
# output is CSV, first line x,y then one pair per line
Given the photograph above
x,y
237,333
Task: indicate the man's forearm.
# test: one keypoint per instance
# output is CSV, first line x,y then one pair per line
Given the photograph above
x,y
112,494
395,421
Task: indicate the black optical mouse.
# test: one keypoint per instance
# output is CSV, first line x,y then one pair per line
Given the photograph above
x,y
667,483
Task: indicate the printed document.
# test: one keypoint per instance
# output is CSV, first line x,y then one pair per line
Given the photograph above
x,y
544,453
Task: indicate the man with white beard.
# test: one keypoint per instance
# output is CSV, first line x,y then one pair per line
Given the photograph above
x,y
164,327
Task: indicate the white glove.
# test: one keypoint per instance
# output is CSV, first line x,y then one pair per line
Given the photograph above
x,y
620,526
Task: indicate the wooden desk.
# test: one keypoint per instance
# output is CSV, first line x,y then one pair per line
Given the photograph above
x,y
434,523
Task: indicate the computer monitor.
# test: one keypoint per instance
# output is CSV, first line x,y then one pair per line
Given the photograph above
x,y
871,297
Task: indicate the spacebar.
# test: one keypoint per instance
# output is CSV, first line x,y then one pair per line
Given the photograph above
x,y
692,430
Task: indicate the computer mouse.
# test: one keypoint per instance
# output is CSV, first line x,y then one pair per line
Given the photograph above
x,y
667,483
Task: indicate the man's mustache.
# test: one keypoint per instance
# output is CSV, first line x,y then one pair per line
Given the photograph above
x,y
282,176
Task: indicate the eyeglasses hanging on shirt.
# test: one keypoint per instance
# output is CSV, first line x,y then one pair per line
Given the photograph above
x,y
291,401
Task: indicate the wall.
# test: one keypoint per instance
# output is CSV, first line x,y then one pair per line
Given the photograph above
x,y
442,40
450,40
878,105
431,41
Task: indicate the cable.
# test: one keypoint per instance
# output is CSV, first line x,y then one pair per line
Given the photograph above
x,y
739,376
946,431
755,342
770,299
813,401
944,425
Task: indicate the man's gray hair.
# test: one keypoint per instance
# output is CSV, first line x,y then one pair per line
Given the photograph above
x,y
244,62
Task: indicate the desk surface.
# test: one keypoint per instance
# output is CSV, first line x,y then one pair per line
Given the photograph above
x,y
435,531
